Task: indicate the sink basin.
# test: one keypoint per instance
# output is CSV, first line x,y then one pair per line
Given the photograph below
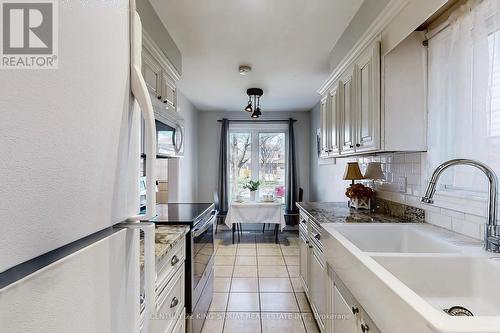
x,y
395,238
404,276
447,281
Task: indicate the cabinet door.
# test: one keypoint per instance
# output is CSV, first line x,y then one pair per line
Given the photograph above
x,y
318,287
347,111
344,321
304,261
151,71
324,127
333,110
168,94
368,100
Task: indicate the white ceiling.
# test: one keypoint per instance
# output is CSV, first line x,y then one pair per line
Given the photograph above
x,y
286,42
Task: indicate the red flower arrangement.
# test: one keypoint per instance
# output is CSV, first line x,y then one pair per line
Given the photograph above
x,y
359,191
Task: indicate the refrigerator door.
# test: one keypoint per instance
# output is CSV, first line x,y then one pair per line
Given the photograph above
x,y
93,290
70,136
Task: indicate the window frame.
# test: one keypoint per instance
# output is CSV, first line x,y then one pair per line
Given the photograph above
x,y
254,130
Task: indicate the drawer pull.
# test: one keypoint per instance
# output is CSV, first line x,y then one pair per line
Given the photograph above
x,y
317,236
364,328
175,301
174,260
354,310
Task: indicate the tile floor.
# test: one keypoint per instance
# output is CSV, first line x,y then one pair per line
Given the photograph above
x,y
257,288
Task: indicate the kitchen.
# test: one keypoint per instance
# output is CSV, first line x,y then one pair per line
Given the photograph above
x,y
219,167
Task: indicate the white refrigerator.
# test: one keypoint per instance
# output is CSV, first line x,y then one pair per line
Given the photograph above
x,y
69,168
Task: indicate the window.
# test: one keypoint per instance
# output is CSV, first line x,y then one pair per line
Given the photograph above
x,y
494,83
257,153
464,96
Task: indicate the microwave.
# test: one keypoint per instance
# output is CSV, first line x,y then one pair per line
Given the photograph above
x,y
169,140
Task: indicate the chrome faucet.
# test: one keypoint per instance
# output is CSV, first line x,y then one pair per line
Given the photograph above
x,y
492,233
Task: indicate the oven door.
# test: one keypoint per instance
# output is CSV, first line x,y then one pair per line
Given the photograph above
x,y
203,254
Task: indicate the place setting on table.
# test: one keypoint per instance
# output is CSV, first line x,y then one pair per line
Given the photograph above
x,y
267,210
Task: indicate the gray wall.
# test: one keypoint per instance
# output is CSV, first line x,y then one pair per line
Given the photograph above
x,y
363,18
326,182
155,28
208,144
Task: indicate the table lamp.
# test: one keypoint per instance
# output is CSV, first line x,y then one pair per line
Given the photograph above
x,y
352,172
374,171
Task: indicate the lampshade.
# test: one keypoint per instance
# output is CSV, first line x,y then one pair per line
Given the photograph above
x,y
257,113
374,171
352,171
249,108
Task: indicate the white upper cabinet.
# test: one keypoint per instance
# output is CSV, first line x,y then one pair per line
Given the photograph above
x,y
347,111
370,112
169,92
333,112
324,127
151,71
368,100
159,74
405,95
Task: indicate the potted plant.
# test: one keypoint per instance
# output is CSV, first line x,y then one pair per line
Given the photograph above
x,y
360,196
252,186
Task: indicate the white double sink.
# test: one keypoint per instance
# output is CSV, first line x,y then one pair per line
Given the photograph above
x,y
406,275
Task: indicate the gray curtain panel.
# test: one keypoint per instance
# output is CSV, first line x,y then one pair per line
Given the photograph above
x,y
223,181
291,173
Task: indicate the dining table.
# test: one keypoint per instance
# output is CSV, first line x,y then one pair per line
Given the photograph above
x,y
265,212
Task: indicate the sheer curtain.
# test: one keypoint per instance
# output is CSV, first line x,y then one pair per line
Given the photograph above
x,y
464,93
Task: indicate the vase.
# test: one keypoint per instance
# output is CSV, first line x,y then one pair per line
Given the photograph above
x,y
360,203
252,195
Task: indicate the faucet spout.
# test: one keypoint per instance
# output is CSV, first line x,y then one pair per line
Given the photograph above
x,y
492,234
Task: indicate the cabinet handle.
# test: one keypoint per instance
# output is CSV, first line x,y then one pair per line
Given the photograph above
x,y
317,236
175,301
165,101
364,328
351,146
358,145
310,246
174,260
159,96
354,310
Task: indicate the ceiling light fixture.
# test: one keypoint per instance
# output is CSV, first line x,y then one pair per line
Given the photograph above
x,y
254,95
244,69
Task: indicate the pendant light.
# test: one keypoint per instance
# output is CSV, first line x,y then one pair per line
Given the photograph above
x,y
257,113
254,95
249,106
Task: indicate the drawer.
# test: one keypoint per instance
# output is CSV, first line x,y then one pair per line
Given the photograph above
x,y
180,326
169,304
316,235
303,216
168,265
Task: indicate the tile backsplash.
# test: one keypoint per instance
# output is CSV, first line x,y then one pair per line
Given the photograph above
x,y
405,180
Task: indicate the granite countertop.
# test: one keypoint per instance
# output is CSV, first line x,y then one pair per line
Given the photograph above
x,y
166,237
339,212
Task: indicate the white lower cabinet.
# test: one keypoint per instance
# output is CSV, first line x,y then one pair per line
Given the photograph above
x,y
347,315
170,289
318,288
343,321
180,327
304,262
304,252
